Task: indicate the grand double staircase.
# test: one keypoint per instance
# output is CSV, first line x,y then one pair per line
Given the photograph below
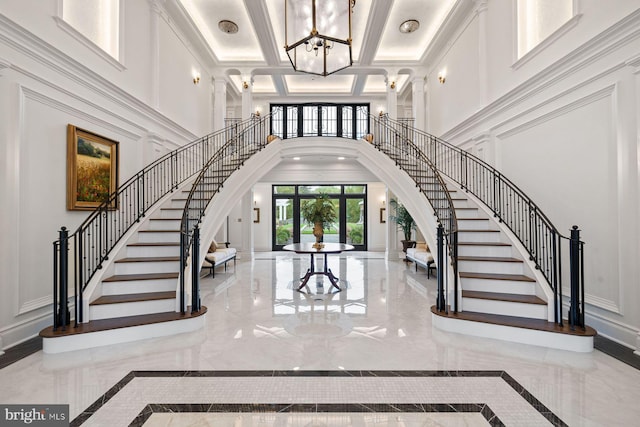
x,y
499,259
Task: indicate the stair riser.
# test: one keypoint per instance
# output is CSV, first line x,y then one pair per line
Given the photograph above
x,y
109,311
152,251
180,203
466,213
532,311
478,236
171,214
138,286
473,225
461,203
147,267
173,224
499,251
491,267
499,286
151,237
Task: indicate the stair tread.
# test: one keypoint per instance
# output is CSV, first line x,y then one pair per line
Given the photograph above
x,y
120,322
158,231
145,276
146,296
455,208
496,276
483,244
473,219
517,322
488,258
149,259
166,219
500,296
477,231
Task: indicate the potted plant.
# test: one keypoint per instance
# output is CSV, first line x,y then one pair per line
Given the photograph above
x,y
321,213
405,222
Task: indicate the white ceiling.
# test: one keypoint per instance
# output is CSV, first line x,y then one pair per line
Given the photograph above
x,y
380,50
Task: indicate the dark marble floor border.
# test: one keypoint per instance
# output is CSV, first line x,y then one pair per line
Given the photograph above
x,y
617,351
20,351
526,395
154,408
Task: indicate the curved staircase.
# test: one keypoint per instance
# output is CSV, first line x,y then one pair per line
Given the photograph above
x,y
496,278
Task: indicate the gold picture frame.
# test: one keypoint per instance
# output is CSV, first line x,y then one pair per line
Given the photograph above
x,y
92,169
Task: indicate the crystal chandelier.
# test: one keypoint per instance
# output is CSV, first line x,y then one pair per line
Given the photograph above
x,y
320,35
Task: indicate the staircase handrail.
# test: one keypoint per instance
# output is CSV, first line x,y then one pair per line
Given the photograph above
x,y
405,153
251,138
538,235
108,223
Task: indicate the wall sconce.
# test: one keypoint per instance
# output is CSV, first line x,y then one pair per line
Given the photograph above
x,y
381,113
393,85
196,79
245,85
441,77
257,113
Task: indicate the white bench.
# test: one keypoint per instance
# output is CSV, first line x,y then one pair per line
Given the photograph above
x,y
420,255
217,255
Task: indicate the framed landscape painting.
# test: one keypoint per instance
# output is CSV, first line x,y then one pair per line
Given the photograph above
x,y
92,169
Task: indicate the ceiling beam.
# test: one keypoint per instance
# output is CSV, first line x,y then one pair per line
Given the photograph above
x,y
259,16
378,16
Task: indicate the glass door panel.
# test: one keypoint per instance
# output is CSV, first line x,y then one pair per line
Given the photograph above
x,y
355,221
283,221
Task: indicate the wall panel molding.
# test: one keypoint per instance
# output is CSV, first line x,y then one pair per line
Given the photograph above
x,y
34,48
615,37
35,304
599,94
82,114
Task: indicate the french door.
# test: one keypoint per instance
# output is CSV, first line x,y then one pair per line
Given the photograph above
x,y
350,202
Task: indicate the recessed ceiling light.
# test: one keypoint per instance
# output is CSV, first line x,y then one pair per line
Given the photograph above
x,y
228,27
409,26
340,158
296,158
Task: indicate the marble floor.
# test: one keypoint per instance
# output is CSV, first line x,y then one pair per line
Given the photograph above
x,y
366,356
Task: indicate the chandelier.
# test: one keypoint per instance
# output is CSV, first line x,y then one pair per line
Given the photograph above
x,y
320,35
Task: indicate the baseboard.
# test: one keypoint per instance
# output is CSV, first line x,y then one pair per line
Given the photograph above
x,y
25,330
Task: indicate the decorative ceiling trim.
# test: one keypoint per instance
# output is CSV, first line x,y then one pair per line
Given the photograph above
x,y
259,16
378,15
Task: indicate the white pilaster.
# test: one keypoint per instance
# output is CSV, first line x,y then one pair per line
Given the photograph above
x,y
247,219
154,71
633,153
392,98
418,103
483,73
247,97
219,102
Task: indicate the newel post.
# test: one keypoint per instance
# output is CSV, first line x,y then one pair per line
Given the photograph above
x,y
575,273
62,316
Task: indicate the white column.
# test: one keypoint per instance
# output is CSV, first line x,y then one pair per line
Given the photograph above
x,y
392,98
154,72
483,72
219,102
418,110
247,97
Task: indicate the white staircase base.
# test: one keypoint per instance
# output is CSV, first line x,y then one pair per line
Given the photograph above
x,y
580,344
121,335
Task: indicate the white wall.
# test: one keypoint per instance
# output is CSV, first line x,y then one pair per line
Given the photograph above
x,y
48,79
563,126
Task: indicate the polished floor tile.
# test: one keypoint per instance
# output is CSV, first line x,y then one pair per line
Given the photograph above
x,y
381,321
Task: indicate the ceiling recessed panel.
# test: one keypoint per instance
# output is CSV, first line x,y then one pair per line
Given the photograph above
x,y
238,47
304,83
396,45
375,83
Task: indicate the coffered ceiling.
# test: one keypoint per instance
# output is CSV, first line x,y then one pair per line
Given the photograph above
x,y
380,50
